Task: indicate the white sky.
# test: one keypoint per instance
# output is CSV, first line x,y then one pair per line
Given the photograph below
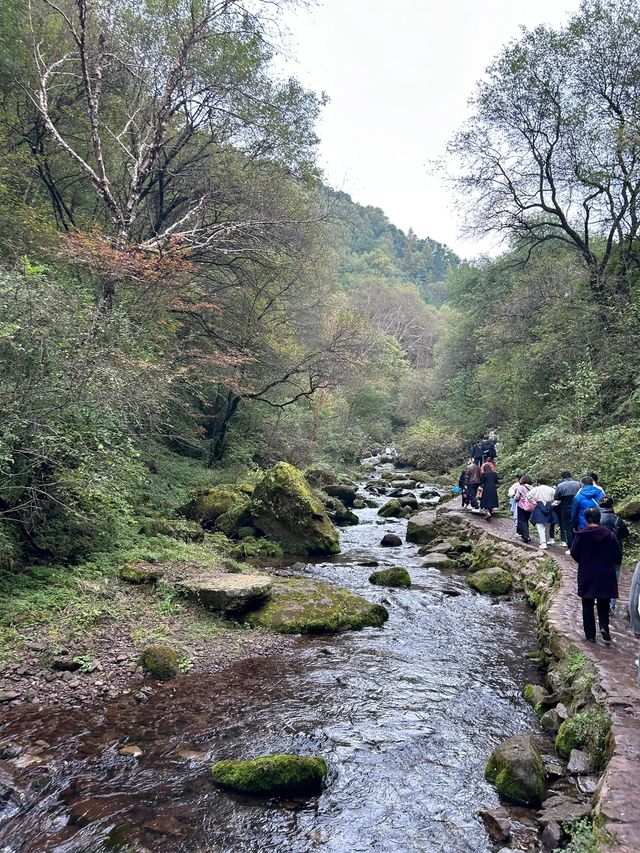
x,y
399,74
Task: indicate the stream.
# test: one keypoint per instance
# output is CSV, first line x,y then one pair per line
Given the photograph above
x,y
405,715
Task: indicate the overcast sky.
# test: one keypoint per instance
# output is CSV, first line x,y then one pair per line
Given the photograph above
x,y
399,74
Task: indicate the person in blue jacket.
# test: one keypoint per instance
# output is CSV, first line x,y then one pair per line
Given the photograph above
x,y
587,498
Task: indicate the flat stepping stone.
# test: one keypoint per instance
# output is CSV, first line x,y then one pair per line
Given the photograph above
x,y
230,593
438,561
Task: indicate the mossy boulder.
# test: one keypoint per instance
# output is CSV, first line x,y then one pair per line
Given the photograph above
x,y
345,517
589,730
534,695
271,774
185,531
207,505
422,527
517,770
250,547
285,508
160,661
392,509
396,576
140,572
630,510
319,476
493,581
234,519
305,606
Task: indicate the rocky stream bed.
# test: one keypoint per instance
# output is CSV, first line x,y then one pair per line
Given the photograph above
x,y
405,716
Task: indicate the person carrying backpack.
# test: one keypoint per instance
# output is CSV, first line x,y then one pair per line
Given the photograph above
x,y
525,507
609,519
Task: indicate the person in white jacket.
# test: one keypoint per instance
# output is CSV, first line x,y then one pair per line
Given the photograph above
x,y
634,608
542,516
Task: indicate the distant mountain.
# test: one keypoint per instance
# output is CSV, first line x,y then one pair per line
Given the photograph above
x,y
376,246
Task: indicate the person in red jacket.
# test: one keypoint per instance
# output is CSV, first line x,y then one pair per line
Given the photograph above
x,y
597,552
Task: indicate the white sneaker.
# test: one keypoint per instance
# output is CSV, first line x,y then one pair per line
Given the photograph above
x,y
568,553
542,547
550,542
562,544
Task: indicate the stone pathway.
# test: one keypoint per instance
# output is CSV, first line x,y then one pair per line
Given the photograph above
x,y
619,797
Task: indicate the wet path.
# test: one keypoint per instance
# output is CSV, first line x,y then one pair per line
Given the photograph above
x,y
405,716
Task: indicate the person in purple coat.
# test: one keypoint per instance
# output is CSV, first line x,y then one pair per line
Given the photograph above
x,y
597,552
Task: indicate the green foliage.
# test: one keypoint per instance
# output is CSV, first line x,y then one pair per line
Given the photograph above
x,y
429,447
588,730
587,835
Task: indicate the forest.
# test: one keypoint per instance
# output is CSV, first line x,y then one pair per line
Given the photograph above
x,y
184,300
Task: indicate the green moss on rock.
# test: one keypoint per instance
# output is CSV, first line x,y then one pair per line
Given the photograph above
x,y
392,509
588,730
207,505
285,508
160,661
185,531
396,576
630,510
319,476
493,581
234,519
271,774
250,548
140,572
516,768
305,606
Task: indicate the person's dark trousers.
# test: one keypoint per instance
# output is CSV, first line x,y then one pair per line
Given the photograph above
x,y
523,524
588,618
565,525
472,490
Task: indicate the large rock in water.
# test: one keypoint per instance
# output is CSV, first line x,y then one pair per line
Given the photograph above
x,y
516,769
271,774
422,527
285,508
229,593
305,606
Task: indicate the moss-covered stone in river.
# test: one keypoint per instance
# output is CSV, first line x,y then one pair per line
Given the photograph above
x,y
271,774
392,509
285,508
493,581
160,661
306,606
397,577
516,768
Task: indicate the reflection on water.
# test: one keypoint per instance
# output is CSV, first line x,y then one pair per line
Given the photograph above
x,y
405,716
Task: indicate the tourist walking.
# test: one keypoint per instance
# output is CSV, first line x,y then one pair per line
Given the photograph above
x,y
513,504
597,553
525,507
489,485
586,498
475,453
609,519
473,484
543,516
487,449
634,611
565,492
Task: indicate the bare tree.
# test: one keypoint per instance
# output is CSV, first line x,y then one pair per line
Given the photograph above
x,y
162,94
552,150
